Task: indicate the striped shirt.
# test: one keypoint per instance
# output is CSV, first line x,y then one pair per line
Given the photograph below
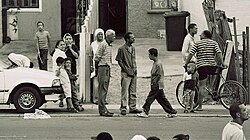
x,y
104,54
206,50
43,39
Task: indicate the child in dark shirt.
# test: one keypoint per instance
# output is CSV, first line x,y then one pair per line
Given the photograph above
x,y
190,79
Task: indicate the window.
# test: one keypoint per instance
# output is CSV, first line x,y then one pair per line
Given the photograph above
x,y
160,4
23,5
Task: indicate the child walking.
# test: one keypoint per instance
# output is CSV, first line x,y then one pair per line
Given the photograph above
x,y
190,79
42,38
62,74
157,88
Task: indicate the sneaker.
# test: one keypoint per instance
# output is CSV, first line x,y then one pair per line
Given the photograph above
x,y
142,115
169,115
135,111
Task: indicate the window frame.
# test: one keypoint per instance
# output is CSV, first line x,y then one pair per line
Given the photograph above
x,y
27,9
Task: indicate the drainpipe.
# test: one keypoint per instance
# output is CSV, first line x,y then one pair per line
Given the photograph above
x,y
6,39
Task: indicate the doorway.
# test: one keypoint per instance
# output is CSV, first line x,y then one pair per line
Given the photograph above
x,y
113,15
68,17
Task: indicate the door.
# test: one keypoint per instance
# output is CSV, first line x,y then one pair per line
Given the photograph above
x,y
68,17
112,15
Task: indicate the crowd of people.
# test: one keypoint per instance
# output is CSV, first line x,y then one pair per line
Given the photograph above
x,y
200,60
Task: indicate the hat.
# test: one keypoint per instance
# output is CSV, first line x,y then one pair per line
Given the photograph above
x,y
138,137
102,136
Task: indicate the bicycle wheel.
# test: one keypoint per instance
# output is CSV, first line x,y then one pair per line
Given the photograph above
x,y
232,92
180,93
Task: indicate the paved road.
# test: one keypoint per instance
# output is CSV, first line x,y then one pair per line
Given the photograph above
x,y
78,128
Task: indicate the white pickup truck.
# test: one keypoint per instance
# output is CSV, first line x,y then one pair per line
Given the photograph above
x,y
26,88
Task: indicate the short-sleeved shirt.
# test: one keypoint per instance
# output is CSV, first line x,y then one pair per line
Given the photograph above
x,y
104,54
205,50
190,80
126,55
43,39
157,71
19,59
233,131
188,43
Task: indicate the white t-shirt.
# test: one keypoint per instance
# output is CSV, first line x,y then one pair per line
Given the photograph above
x,y
233,131
19,59
57,53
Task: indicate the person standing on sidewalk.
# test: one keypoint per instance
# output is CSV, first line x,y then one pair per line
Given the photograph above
x,y
234,129
127,61
42,38
73,78
208,57
71,51
103,62
157,88
99,37
188,42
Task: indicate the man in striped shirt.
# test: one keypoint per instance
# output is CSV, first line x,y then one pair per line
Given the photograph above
x,y
103,62
208,56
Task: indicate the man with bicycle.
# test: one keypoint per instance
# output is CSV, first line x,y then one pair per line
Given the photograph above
x,y
208,56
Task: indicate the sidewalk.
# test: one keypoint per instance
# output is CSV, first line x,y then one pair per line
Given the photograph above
x,y
91,110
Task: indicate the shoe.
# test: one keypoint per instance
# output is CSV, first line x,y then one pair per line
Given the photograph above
x,y
135,111
61,104
199,109
72,110
142,115
185,111
169,115
123,112
192,111
80,108
107,114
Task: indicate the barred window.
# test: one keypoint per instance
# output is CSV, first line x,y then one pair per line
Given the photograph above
x,y
20,3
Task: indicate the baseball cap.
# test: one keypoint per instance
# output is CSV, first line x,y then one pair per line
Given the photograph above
x,y
102,136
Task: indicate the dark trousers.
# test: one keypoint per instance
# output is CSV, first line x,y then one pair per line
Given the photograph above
x,y
42,59
103,79
74,96
160,98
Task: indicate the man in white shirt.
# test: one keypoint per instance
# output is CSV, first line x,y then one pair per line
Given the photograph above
x,y
189,41
19,60
234,129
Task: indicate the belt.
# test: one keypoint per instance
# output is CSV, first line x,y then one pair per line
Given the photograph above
x,y
103,66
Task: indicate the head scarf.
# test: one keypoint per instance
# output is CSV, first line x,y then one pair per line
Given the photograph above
x,y
98,30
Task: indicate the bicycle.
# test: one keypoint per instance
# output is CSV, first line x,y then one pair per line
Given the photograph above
x,y
228,92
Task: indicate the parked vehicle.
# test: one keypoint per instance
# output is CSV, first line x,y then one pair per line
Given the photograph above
x,y
26,88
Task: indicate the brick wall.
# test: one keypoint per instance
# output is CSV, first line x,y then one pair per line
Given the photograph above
x,y
140,22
